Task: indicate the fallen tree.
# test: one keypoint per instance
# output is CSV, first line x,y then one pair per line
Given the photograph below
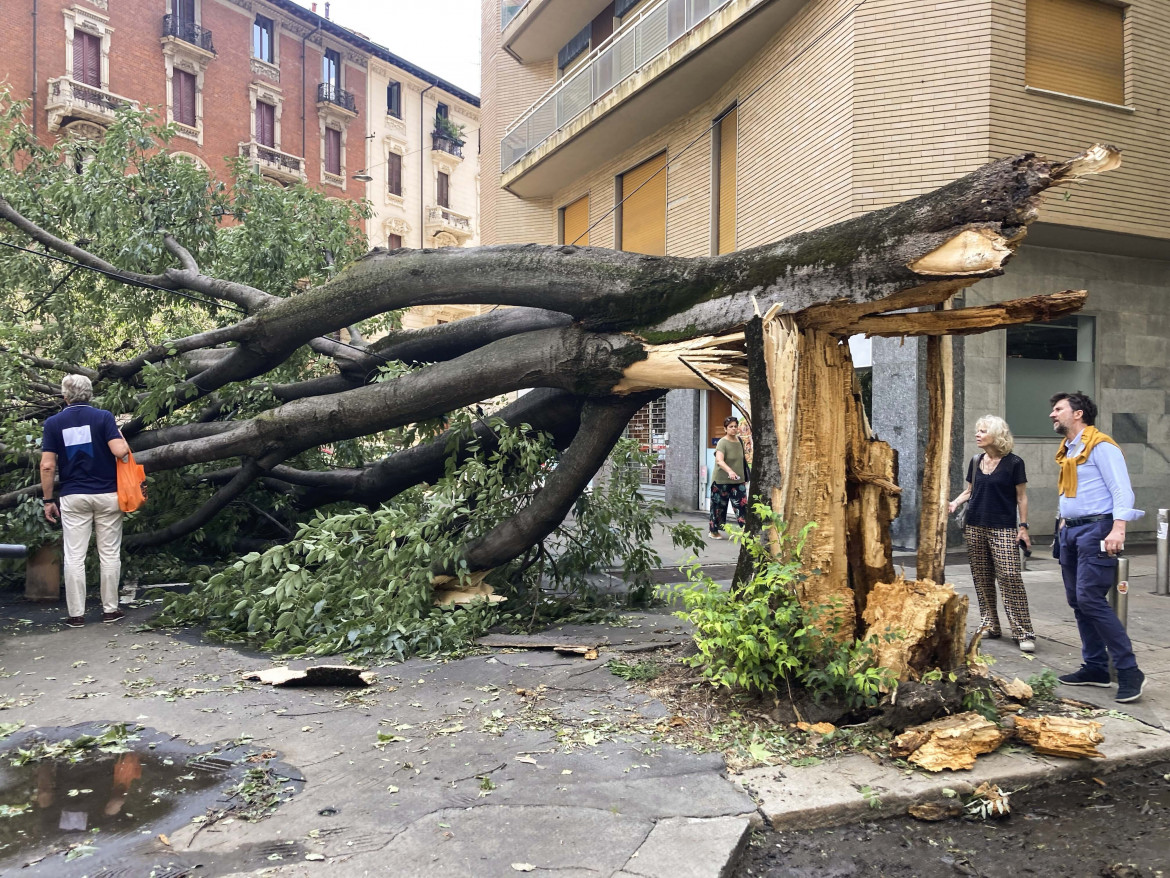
x,y
248,397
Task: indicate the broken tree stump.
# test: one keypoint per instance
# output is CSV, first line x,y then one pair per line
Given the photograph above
x,y
952,743
1061,736
915,626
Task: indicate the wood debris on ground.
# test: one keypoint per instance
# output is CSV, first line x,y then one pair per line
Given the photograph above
x,y
1061,736
1016,690
932,812
521,641
316,675
953,742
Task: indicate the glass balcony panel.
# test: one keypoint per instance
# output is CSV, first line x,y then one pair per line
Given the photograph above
x,y
651,31
508,11
575,97
618,58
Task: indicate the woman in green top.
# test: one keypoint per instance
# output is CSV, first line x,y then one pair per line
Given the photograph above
x,y
727,485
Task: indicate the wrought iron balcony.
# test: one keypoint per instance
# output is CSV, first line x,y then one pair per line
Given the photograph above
x,y
628,50
69,99
331,93
188,32
272,162
447,144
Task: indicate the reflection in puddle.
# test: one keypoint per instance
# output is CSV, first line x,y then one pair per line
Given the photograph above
x,y
57,804
94,800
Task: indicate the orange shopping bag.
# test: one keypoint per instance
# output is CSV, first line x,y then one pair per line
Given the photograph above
x,y
131,484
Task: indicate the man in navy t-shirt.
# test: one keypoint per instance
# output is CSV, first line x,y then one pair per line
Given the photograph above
x,y
81,444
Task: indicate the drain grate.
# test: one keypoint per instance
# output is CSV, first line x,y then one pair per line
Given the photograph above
x,y
170,870
211,764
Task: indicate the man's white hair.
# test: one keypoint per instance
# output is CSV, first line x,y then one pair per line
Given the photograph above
x,y
76,388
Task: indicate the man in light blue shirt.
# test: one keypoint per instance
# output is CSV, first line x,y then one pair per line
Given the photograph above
x,y
1096,502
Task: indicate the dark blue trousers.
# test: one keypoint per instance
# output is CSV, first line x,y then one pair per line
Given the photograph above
x,y
1088,575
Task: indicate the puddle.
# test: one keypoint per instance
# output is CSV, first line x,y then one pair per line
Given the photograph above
x,y
99,810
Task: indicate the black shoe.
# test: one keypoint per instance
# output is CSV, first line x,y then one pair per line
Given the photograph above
x,y
75,621
1087,676
116,616
1129,685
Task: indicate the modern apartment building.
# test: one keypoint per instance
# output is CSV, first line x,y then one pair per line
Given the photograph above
x,y
692,127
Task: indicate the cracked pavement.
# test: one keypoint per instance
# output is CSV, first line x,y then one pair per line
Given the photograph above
x,y
480,766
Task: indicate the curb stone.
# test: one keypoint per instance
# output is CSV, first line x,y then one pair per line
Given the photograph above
x,y
829,794
690,847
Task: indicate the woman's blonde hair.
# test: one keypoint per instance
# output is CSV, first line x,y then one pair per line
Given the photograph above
x,y
1002,440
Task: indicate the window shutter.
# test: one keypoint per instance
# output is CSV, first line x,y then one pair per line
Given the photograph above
x,y
1076,47
394,173
87,64
727,155
394,242
332,151
576,222
644,209
574,47
183,94
444,190
266,124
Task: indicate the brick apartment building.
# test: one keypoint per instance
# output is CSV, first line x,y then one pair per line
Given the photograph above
x,y
305,99
693,127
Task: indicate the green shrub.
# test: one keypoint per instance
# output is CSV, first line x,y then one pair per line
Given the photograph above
x,y
757,636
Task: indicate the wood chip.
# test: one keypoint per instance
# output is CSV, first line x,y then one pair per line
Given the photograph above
x,y
933,812
953,742
1061,736
1017,689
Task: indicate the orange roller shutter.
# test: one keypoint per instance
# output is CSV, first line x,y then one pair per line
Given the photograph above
x,y
1076,47
727,144
644,208
576,217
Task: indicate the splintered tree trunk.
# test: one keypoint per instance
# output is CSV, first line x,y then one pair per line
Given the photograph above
x,y
932,521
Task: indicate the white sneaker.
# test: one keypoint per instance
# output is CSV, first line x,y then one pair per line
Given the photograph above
x,y
1027,646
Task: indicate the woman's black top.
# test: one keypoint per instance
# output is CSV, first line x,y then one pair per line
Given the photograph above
x,y
993,497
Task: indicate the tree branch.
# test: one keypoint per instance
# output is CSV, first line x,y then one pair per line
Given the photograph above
x,y
225,495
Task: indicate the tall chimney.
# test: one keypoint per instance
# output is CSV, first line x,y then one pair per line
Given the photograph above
x,y
314,7
326,8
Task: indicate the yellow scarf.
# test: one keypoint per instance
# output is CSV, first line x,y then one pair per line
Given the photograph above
x,y
1066,485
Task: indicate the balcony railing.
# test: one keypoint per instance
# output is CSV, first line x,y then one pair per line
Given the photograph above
x,y
188,32
69,98
331,93
272,161
628,50
442,216
509,9
443,143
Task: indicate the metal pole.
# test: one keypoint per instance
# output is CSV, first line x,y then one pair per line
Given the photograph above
x,y
1119,594
1162,583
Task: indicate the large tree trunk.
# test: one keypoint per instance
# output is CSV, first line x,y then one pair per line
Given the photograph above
x,y
601,332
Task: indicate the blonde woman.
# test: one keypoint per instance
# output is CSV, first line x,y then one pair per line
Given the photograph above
x,y
997,521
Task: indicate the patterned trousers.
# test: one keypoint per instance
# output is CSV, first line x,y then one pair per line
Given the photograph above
x,y
721,495
994,554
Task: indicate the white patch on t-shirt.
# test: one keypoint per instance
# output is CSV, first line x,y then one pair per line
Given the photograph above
x,y
76,435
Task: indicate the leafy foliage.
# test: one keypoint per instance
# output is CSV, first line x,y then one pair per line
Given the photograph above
x,y
362,581
757,636
117,196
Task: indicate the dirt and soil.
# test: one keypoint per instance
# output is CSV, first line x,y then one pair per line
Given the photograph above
x,y
1116,826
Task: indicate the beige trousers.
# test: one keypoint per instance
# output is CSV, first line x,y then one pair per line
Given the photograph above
x,y
81,515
